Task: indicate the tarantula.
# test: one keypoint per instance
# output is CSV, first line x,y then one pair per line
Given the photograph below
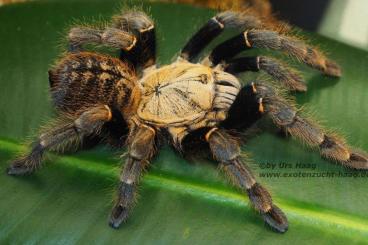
x,y
131,99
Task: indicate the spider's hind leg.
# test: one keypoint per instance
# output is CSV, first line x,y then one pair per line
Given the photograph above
x,y
288,77
286,116
244,111
226,151
87,123
141,145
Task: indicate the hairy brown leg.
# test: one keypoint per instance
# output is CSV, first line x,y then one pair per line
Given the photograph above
x,y
143,54
109,36
226,151
141,149
133,32
88,123
287,117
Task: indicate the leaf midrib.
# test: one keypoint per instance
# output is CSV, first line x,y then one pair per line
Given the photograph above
x,y
329,220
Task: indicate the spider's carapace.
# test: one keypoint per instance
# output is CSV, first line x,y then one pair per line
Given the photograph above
x,y
183,97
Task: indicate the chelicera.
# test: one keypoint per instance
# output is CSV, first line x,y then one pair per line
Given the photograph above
x,y
131,100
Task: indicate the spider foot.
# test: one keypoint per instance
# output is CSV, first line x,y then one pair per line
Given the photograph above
x,y
20,166
27,164
334,149
358,160
276,219
119,214
296,83
332,69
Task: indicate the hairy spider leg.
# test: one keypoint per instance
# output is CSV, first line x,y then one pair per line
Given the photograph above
x,y
143,54
244,111
285,116
214,27
132,32
226,151
252,38
141,149
88,123
275,41
288,77
108,36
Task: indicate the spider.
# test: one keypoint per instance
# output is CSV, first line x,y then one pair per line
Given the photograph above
x,y
130,100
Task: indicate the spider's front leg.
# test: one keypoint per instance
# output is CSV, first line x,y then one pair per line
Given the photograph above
x,y
214,27
226,151
287,117
266,39
141,150
88,123
112,37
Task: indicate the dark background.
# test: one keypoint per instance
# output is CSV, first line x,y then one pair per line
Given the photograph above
x,y
303,13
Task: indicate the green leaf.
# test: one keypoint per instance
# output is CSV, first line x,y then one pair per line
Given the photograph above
x,y
185,202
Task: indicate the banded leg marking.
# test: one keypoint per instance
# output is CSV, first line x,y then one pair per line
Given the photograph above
x,y
141,150
214,27
138,23
87,123
133,32
226,151
112,37
274,41
287,117
288,77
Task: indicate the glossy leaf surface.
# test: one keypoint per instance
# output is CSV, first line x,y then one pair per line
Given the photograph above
x,y
181,201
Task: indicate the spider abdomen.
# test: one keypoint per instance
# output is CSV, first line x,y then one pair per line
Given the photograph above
x,y
86,79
